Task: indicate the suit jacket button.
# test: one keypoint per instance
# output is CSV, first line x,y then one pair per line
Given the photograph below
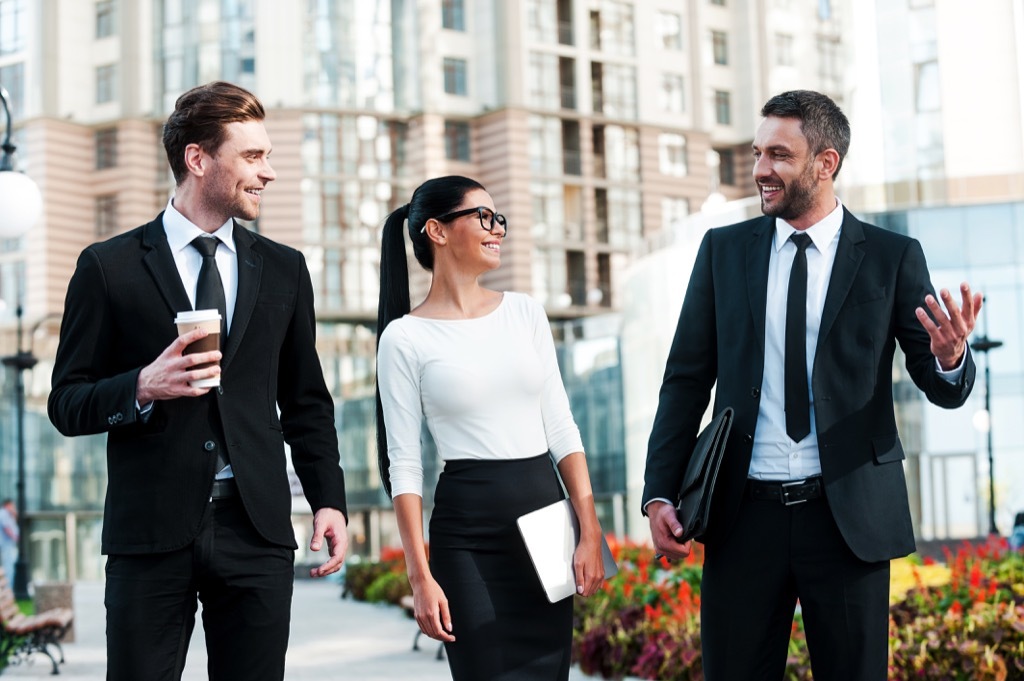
x,y
748,438
209,445
220,390
755,392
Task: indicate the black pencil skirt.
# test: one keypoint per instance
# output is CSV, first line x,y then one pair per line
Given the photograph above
x,y
505,629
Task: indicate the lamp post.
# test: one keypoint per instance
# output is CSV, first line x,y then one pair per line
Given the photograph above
x,y
22,204
983,344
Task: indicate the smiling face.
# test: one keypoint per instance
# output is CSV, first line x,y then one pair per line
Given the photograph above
x,y
795,184
235,176
470,245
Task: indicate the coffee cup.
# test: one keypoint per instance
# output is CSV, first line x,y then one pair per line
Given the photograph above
x,y
209,320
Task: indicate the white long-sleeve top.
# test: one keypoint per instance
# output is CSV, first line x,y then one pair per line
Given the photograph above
x,y
489,389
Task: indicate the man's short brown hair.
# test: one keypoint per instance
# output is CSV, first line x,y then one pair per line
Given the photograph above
x,y
199,118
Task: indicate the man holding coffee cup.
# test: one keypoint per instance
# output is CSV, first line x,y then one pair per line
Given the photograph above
x,y
190,341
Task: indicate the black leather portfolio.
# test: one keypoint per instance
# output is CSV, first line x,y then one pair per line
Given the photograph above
x,y
699,481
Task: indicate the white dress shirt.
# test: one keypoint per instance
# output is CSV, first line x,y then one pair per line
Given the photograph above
x,y
180,233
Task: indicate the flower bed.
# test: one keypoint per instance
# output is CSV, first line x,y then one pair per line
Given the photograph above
x,y
962,620
379,581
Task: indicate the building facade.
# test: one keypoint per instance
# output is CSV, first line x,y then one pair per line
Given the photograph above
x,y
595,125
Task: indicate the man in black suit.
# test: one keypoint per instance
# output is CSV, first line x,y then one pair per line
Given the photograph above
x,y
798,336
198,501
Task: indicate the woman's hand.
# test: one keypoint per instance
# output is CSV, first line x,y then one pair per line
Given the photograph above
x,y
430,607
588,564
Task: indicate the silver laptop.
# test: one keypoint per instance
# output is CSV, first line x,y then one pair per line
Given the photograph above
x,y
550,535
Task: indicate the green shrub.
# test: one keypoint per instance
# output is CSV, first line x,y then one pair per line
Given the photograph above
x,y
389,587
359,576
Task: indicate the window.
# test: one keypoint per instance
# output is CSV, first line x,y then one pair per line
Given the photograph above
x,y
456,141
672,154
611,28
720,47
926,87
576,277
12,77
784,50
672,97
604,278
723,108
624,217
613,89
453,15
549,212
620,152
544,81
541,21
567,81
106,83
829,69
726,167
673,211
106,215
670,27
106,148
545,146
106,18
455,76
571,161
12,26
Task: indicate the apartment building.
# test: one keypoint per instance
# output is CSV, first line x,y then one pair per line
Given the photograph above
x,y
595,124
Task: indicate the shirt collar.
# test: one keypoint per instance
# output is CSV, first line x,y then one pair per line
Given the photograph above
x,y
822,232
181,231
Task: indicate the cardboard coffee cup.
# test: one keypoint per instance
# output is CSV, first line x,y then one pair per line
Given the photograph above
x,y
201,319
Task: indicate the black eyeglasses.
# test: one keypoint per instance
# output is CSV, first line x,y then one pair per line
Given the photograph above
x,y
488,218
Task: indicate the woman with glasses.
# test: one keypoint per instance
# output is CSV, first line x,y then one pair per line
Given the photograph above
x,y
479,366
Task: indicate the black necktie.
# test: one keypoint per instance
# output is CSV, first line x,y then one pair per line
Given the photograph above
x,y
798,408
210,288
210,296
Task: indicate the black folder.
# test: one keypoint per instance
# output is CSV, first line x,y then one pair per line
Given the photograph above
x,y
694,503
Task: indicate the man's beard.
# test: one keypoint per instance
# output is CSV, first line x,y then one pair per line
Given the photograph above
x,y
798,197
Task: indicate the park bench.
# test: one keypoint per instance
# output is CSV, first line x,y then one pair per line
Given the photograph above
x,y
22,635
408,605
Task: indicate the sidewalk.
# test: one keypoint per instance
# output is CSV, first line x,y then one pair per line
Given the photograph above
x,y
331,640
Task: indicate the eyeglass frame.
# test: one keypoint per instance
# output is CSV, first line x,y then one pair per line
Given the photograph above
x,y
479,210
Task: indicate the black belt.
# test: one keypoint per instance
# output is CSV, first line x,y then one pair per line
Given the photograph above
x,y
224,489
786,493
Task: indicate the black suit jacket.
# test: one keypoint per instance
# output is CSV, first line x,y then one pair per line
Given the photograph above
x,y
119,316
878,279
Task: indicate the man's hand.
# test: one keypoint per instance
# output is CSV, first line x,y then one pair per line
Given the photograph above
x,y
168,376
329,524
949,332
665,528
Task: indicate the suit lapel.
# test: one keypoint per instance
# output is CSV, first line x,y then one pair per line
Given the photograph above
x,y
159,261
250,270
849,255
758,253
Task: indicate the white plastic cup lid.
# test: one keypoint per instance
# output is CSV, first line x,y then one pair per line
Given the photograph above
x,y
193,316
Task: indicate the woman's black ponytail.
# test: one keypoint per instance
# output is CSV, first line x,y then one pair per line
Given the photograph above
x,y
392,304
434,197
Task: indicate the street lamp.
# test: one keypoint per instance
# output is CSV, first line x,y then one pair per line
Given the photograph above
x,y
983,344
22,204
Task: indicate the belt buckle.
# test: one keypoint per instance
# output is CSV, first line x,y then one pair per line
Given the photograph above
x,y
784,493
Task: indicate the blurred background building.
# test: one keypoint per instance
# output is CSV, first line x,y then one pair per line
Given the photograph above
x,y
611,133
